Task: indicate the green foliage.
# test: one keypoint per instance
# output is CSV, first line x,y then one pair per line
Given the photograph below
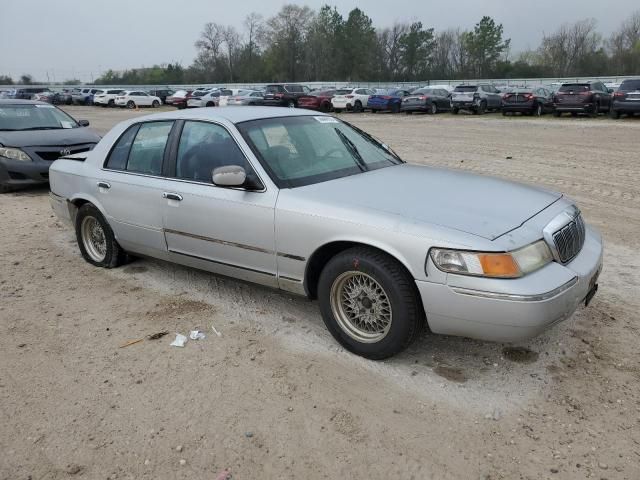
x,y
300,44
6,80
485,46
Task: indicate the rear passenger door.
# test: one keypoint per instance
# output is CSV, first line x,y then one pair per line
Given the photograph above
x,y
131,184
224,230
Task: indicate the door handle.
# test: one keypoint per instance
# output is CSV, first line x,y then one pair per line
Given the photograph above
x,y
172,196
104,185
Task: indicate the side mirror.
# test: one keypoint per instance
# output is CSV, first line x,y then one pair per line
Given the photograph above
x,y
83,123
229,176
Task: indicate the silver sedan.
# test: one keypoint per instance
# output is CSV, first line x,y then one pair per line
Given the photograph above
x,y
307,203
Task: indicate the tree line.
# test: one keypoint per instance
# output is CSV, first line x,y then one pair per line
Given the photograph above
x,y
300,44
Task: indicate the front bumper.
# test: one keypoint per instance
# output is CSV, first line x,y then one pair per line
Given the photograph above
x,y
16,173
517,309
518,107
414,107
632,106
573,107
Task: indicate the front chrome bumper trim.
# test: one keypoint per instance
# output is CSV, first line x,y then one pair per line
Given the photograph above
x,y
516,297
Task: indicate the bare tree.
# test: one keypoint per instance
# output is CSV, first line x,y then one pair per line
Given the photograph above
x,y
624,46
566,50
390,39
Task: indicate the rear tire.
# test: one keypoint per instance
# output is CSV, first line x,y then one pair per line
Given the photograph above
x,y
433,109
363,282
155,104
131,105
595,111
212,104
96,240
357,107
538,111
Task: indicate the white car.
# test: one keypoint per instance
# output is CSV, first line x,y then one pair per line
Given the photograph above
x,y
203,98
231,92
351,99
107,97
137,98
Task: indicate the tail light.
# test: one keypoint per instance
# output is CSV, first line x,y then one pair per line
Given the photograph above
x,y
619,94
528,96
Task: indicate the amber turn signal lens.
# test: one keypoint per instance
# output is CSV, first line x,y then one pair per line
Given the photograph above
x,y
499,265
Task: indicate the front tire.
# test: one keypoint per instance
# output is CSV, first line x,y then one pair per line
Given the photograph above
x,y
433,109
357,107
538,111
155,104
131,105
369,303
96,240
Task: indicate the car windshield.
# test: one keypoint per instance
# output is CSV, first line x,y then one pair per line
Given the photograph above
x,y
304,150
465,88
574,87
34,117
630,85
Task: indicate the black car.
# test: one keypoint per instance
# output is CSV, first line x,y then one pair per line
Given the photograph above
x,y
584,97
284,94
161,93
28,93
626,99
430,100
33,135
530,101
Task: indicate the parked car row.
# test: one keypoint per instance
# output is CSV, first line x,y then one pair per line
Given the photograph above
x,y
591,98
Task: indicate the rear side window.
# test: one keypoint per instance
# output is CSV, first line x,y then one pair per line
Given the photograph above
x,y
141,148
630,85
204,147
118,158
147,150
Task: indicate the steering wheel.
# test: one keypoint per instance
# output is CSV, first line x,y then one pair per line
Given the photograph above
x,y
334,150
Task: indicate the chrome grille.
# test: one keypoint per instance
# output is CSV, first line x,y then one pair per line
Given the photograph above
x,y
570,239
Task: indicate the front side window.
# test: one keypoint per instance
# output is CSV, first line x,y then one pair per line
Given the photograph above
x,y
204,147
147,150
303,150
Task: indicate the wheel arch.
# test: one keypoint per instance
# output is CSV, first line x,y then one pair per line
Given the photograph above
x,y
324,253
74,203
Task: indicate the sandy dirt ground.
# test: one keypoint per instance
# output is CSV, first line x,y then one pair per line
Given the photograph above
x,y
274,396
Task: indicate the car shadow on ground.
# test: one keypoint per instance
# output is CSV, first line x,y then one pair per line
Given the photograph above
x,y
30,191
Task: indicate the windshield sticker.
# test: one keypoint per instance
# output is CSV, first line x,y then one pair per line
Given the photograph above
x,y
326,119
65,124
45,106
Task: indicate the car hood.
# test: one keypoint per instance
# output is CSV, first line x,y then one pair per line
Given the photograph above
x,y
484,206
38,138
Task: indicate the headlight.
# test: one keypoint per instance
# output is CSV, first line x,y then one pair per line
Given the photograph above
x,y
14,154
498,265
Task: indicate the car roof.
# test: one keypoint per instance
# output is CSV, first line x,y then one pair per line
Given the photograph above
x,y
10,101
230,114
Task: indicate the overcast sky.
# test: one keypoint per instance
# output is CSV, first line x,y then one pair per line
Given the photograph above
x,y
82,38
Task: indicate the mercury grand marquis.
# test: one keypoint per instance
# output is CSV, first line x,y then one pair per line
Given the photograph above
x,y
307,203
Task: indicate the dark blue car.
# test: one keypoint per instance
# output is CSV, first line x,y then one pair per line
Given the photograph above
x,y
389,100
